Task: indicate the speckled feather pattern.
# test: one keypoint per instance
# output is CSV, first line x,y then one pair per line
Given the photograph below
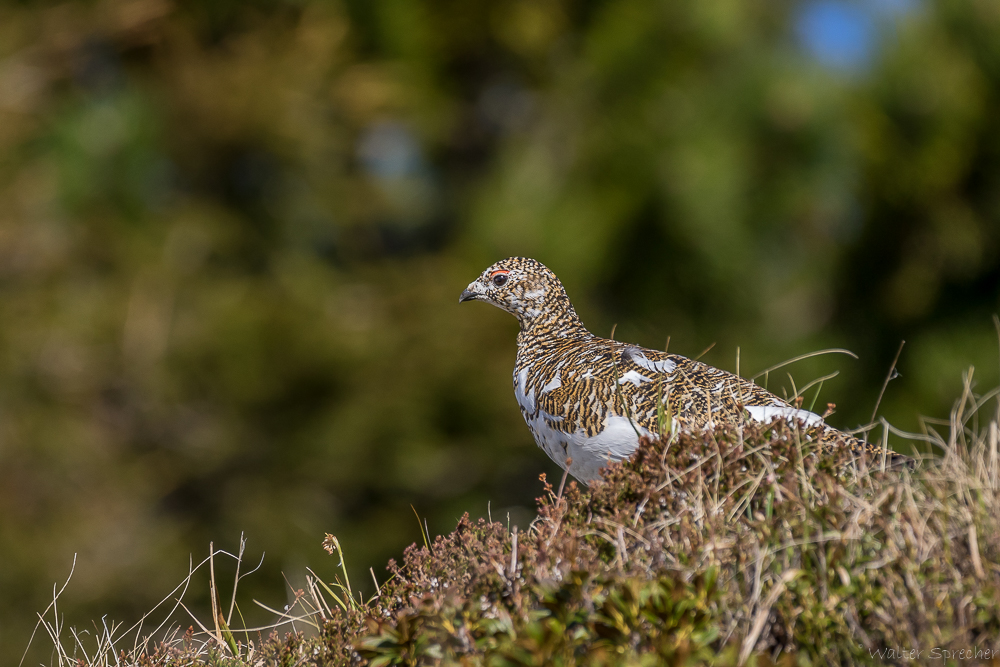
x,y
587,399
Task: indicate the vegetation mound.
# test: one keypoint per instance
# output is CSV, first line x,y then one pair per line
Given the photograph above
x,y
721,547
735,546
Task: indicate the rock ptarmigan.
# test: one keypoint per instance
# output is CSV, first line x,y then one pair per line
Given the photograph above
x,y
588,399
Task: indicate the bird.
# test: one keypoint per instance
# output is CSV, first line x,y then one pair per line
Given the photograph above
x,y
587,400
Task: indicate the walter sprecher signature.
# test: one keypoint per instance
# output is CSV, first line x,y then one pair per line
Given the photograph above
x,y
936,653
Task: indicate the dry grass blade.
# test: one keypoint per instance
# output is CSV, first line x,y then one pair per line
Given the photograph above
x,y
819,381
888,378
213,594
52,605
767,371
236,578
104,648
286,617
618,385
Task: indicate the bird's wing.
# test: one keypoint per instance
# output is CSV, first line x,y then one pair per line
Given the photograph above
x,y
694,393
658,385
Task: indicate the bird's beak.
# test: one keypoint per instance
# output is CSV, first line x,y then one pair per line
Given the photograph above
x,y
468,295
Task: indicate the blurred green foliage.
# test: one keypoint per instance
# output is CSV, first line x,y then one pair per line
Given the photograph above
x,y
233,234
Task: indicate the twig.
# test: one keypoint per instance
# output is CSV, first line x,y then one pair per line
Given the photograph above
x,y
562,482
513,556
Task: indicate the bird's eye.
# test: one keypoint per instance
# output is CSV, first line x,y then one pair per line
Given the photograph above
x,y
500,279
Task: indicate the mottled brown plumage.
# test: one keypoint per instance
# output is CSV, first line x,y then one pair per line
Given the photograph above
x,y
588,399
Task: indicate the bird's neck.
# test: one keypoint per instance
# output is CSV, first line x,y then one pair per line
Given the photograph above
x,y
556,323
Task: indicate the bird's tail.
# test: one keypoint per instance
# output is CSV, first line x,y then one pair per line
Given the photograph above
x,y
871,452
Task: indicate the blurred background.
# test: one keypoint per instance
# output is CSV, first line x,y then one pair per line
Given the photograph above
x,y
233,235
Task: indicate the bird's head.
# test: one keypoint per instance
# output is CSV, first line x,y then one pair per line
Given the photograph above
x,y
523,287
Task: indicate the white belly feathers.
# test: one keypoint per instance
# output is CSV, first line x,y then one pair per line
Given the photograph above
x,y
616,441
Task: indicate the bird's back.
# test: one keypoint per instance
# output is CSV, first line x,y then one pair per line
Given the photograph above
x,y
594,397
